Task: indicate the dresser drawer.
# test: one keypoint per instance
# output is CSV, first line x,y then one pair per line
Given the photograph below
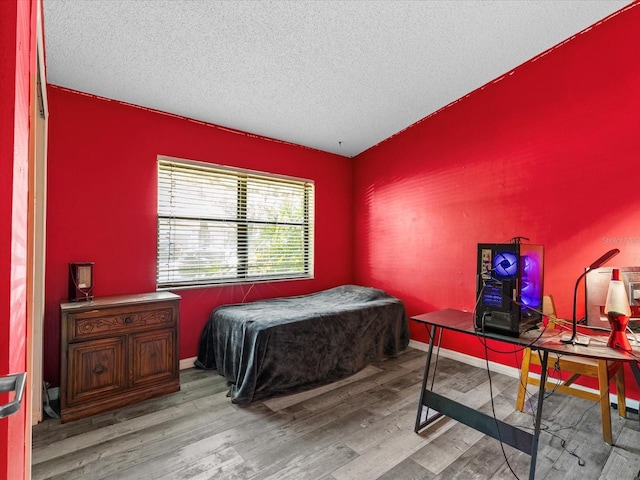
x,y
111,321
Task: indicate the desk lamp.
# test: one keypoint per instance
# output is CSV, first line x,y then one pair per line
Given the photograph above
x,y
597,264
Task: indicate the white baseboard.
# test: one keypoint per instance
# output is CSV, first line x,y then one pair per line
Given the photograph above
x,y
509,371
469,359
187,362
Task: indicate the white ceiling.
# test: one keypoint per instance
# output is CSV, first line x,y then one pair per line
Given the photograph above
x,y
334,75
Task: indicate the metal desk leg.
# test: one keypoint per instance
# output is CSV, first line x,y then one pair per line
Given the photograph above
x,y
636,371
419,425
536,430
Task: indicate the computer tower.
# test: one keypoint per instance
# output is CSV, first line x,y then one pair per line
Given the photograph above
x,y
509,287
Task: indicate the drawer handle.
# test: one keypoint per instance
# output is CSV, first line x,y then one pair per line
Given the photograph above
x,y
128,320
98,369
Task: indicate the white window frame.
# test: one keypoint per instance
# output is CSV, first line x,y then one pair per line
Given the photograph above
x,y
257,226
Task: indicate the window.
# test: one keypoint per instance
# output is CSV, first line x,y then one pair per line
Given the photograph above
x,y
220,225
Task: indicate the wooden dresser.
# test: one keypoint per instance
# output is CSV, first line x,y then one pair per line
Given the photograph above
x,y
118,350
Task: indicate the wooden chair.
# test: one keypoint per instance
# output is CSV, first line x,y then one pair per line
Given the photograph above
x,y
603,370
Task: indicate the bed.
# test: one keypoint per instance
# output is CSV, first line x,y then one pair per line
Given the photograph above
x,y
282,345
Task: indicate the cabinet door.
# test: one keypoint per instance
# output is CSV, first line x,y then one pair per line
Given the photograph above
x,y
95,369
152,357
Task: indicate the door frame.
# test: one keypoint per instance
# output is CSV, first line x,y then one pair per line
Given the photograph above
x,y
36,236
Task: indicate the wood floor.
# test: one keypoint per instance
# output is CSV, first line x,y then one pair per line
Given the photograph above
x,y
358,429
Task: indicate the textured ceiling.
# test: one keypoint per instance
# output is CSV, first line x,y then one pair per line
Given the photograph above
x,y
338,76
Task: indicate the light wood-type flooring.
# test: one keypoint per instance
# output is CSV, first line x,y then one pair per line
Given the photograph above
x,y
360,428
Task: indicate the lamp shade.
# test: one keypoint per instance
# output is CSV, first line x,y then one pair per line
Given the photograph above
x,y
617,300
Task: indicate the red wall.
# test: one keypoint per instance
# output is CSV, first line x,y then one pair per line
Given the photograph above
x,y
550,151
102,195
17,34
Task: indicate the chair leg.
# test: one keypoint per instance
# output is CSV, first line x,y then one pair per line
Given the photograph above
x,y
605,406
622,394
524,379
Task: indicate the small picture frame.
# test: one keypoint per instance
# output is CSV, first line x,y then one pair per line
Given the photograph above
x,y
80,281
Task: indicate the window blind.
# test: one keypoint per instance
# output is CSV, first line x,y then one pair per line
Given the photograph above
x,y
222,225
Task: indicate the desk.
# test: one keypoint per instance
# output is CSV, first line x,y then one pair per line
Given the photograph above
x,y
545,342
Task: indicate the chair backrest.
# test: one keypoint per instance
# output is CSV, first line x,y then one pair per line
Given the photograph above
x,y
549,310
548,306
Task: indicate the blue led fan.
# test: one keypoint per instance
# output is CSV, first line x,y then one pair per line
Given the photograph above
x,y
505,264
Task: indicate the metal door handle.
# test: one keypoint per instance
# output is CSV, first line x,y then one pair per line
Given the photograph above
x,y
11,383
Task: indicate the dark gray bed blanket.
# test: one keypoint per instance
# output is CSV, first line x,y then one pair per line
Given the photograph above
x,y
282,345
